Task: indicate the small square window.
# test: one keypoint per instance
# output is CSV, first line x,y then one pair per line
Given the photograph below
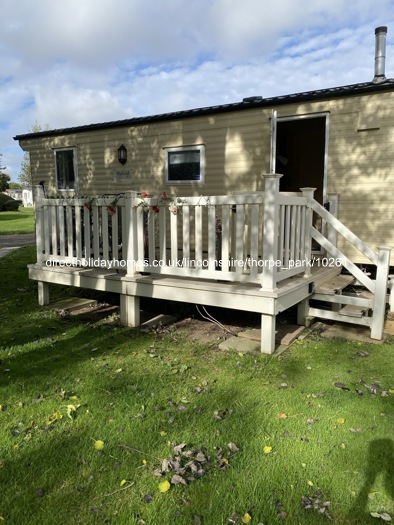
x,y
185,164
66,173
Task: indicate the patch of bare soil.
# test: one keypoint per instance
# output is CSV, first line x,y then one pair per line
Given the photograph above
x,y
205,332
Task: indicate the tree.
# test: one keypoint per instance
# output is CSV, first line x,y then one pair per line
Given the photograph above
x,y
15,186
24,176
4,181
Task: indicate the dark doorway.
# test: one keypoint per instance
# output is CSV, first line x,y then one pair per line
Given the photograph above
x,y
301,153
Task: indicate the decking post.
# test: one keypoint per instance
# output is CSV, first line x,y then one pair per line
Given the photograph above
x,y
333,209
268,324
307,249
131,231
302,312
129,310
38,195
270,230
381,285
43,293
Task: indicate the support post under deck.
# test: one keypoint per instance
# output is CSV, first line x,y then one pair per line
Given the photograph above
x,y
129,310
268,323
43,293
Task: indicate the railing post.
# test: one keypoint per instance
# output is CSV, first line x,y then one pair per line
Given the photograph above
x,y
270,230
131,233
333,203
381,284
38,195
307,248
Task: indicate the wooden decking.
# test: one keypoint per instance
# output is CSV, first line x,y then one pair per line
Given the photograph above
x,y
250,252
238,296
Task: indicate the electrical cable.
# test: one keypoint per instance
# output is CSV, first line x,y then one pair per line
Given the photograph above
x,y
208,317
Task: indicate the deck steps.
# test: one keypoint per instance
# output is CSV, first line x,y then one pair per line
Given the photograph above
x,y
351,310
335,285
338,304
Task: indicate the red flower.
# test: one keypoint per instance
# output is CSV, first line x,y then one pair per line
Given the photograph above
x,y
145,195
156,209
164,195
111,210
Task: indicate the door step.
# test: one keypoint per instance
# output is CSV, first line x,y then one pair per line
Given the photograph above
x,y
334,285
351,310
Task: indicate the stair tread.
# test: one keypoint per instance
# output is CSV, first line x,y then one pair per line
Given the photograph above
x,y
334,285
353,311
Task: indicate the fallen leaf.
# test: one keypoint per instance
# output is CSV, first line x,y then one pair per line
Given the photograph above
x,y
341,420
233,447
176,479
123,482
164,486
343,445
148,498
267,449
385,517
310,483
246,518
163,433
341,386
71,409
282,416
99,445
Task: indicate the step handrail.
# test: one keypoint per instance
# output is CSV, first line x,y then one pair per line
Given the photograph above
x,y
345,232
346,263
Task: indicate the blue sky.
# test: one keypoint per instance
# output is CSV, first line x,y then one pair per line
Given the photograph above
x,y
86,61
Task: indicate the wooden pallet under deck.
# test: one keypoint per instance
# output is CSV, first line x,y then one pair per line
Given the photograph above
x,y
246,296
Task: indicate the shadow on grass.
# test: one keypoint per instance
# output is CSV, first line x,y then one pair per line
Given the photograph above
x,y
380,462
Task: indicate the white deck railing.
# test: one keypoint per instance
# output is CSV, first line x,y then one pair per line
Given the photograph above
x,y
255,238
78,231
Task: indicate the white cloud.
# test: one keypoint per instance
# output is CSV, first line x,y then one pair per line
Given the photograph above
x,y
71,63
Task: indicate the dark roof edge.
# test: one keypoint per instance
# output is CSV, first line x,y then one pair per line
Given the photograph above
x,y
352,89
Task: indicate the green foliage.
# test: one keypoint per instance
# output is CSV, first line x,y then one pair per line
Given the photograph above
x,y
25,175
4,181
91,412
7,203
15,186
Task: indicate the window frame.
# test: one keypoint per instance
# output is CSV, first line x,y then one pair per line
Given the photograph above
x,y
75,168
184,149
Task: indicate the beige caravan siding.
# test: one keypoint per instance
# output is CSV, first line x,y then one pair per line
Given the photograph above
x,y
234,144
361,168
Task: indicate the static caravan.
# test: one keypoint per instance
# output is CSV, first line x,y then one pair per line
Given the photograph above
x,y
338,141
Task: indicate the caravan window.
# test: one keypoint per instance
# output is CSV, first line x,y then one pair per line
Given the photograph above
x,y
66,173
185,164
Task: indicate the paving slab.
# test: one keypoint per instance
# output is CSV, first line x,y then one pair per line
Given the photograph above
x,y
162,319
71,304
389,327
349,333
239,344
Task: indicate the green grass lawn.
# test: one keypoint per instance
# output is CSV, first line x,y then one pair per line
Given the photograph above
x,y
313,427
21,221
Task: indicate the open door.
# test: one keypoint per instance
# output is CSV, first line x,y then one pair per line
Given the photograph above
x,y
274,118
299,147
